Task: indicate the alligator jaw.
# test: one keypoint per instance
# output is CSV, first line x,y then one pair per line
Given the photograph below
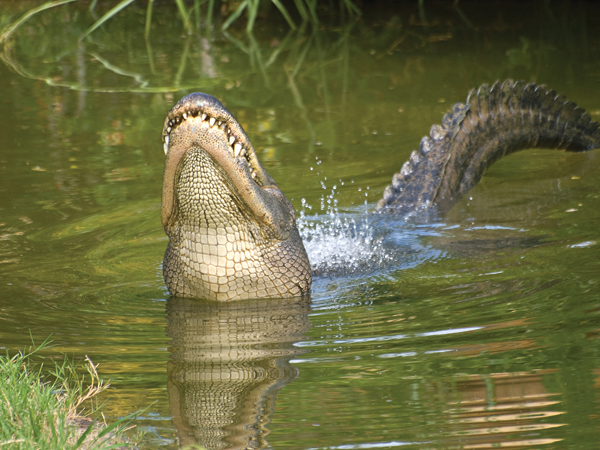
x,y
200,121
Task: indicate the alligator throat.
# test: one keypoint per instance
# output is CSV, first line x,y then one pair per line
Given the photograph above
x,y
232,231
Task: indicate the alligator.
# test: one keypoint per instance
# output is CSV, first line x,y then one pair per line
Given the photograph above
x,y
232,232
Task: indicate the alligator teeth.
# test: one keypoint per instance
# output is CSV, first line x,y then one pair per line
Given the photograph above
x,y
167,139
170,123
231,140
166,147
211,121
219,123
203,117
237,149
169,128
184,116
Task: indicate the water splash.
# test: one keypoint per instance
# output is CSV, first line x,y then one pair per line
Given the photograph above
x,y
340,244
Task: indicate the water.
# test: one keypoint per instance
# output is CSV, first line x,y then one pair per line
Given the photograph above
x,y
479,330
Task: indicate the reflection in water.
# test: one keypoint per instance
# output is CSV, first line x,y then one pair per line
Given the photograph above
x,y
228,362
502,410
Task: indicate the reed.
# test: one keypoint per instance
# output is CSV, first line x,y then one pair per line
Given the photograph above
x,y
308,10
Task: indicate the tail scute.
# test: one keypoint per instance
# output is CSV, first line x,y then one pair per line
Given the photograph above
x,y
429,158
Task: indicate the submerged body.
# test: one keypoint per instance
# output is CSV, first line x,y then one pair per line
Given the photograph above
x,y
232,231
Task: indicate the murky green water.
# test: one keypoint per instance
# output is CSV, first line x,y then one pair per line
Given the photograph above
x,y
479,331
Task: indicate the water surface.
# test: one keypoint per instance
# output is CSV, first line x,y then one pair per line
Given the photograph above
x,y
480,330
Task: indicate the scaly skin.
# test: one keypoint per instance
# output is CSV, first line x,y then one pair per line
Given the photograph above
x,y
233,233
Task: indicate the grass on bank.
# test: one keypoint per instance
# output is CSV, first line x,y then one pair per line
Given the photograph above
x,y
52,411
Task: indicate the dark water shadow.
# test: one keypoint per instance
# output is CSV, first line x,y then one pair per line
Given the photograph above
x,y
228,363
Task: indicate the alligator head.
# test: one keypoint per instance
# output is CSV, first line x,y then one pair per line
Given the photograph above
x,y
232,231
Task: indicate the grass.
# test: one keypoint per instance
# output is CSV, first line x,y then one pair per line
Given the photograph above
x,y
9,30
308,10
40,411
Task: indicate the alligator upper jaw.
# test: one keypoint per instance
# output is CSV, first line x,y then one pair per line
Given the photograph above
x,y
200,121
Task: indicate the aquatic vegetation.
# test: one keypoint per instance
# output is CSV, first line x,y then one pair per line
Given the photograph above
x,y
308,10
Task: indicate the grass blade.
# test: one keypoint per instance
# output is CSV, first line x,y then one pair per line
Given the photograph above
x,y
252,13
312,8
235,15
84,435
352,8
301,9
124,421
10,30
209,13
109,15
183,12
285,14
34,425
148,19
197,13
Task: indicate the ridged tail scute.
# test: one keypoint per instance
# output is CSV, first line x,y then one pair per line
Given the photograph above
x,y
495,121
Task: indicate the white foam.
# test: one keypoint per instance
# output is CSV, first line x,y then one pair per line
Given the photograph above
x,y
339,243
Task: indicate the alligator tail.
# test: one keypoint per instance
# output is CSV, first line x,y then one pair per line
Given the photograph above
x,y
495,121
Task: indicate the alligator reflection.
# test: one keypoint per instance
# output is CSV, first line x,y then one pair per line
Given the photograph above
x,y
228,363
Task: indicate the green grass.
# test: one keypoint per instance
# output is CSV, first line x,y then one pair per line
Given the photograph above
x,y
307,10
52,411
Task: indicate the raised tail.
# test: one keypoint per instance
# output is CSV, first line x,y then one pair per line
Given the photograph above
x,y
494,121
